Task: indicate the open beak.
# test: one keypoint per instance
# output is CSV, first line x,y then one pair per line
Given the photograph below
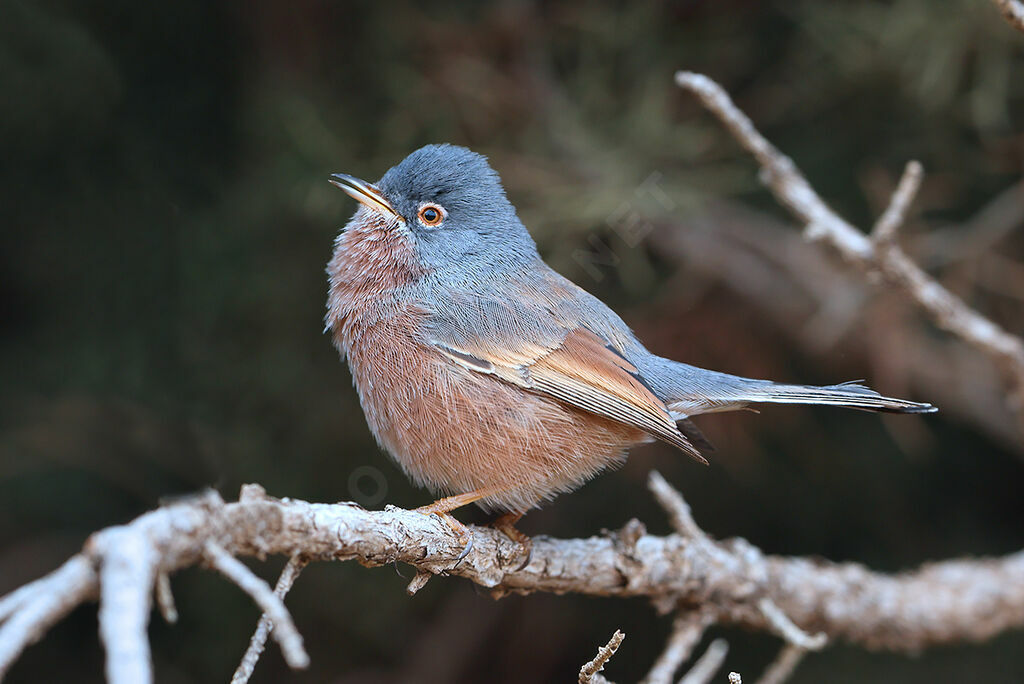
x,y
364,193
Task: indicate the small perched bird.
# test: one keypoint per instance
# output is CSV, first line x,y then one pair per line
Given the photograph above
x,y
488,376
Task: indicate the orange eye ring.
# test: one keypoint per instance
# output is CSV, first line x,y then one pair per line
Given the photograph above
x,y
431,215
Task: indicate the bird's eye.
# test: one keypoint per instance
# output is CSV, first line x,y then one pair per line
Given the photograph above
x,y
431,215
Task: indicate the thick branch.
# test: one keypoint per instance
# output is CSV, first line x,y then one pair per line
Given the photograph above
x,y
952,601
127,579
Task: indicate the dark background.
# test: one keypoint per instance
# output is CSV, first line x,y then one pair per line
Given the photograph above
x,y
166,221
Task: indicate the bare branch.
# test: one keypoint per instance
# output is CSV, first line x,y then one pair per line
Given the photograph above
x,y
127,574
679,514
50,599
792,190
1013,12
708,664
785,628
288,638
783,665
165,598
687,630
798,643
884,232
418,581
23,595
589,672
259,638
949,602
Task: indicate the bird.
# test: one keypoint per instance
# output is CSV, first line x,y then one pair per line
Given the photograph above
x,y
489,377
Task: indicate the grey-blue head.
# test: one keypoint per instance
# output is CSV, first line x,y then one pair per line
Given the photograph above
x,y
453,205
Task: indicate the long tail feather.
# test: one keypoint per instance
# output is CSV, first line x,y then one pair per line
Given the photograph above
x,y
694,391
848,395
690,391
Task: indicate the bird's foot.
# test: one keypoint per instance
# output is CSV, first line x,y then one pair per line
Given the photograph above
x,y
506,524
463,533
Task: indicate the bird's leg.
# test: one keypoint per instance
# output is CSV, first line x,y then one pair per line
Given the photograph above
x,y
450,503
506,524
442,508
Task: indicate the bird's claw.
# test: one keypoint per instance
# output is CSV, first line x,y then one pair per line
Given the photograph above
x,y
465,538
506,525
466,550
525,548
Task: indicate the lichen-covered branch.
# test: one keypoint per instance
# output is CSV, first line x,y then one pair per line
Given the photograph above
x,y
731,581
590,673
876,254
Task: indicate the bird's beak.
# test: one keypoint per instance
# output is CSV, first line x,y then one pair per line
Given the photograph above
x,y
364,193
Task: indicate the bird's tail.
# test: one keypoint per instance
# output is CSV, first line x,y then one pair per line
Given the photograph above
x,y
693,391
848,395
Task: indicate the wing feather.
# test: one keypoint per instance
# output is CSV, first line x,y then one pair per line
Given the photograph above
x,y
581,370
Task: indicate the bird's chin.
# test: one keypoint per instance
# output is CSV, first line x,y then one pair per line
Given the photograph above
x,y
370,227
367,218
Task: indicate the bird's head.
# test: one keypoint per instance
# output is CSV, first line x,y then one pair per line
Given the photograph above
x,y
449,203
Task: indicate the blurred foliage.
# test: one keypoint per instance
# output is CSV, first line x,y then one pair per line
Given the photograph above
x,y
167,219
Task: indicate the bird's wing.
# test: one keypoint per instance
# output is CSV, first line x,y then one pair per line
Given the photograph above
x,y
573,365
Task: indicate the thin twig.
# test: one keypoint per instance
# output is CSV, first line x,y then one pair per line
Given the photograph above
x,y
679,514
165,598
287,637
687,630
783,666
884,232
589,672
259,638
785,628
418,581
708,664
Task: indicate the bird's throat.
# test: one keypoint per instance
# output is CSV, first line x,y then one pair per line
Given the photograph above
x,y
374,260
